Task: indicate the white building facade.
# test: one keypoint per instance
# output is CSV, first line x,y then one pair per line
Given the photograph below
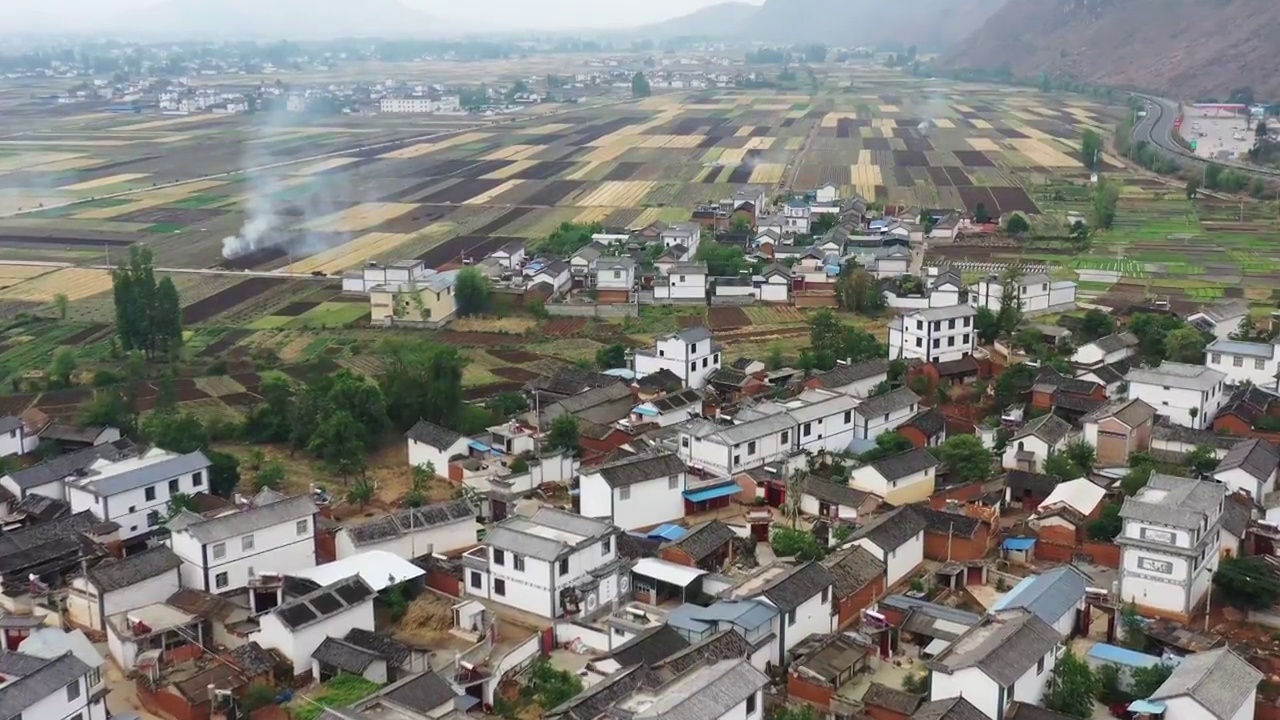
x,y
690,354
637,492
1244,362
135,491
933,335
1189,395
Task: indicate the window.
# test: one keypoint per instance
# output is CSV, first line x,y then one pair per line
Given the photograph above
x,y
150,493
73,690
499,557
302,527
966,339
517,562
684,442
220,580
617,274
1217,358
673,482
1040,666
693,366
807,429
786,437
606,546
197,479
737,459
681,278
706,362
751,448
1259,364
133,508
174,487
716,358
95,677
475,580
219,551
246,543
886,417
919,342
937,325
751,704
1237,361
791,618
919,325
848,416
951,341
826,595
937,343
499,587
951,324
153,518
564,566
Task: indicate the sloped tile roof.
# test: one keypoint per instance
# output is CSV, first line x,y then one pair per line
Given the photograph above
x,y
789,591
1219,680
113,575
852,569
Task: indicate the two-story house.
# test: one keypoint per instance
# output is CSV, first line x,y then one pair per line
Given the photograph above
x,y
1037,294
690,354
637,492
47,478
1222,319
1189,395
825,421
298,626
1250,466
857,379
899,479
511,255
802,596
1108,350
797,217
668,409
682,281
1244,362
1008,656
134,492
716,688
582,264
881,414
725,449
896,539
552,564
1030,446
1056,597
1170,544
615,279
1209,685
275,534
62,687
115,586
935,335
411,532
686,235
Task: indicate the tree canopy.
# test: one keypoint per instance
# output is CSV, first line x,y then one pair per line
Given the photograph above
x,y
858,291
148,313
471,290
1072,687
888,443
421,381
1247,583
831,341
800,544
611,356
563,435
640,87
1091,149
966,458
721,260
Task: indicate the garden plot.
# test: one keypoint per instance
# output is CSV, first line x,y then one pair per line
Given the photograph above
x,y
619,193
356,253
420,149
75,283
360,217
487,196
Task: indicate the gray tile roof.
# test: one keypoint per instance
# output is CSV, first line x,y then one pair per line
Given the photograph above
x,y
113,575
752,430
1179,375
9,423
892,529
387,648
791,590
893,699
1219,680
1190,436
156,472
944,523
1116,342
835,405
904,464
36,544
641,468
842,375
1247,349
693,334
650,647
1236,513
252,659
889,402
1004,645
1174,501
17,664
246,521
1025,711
944,313
851,570
833,492
956,708
1049,428
708,692
595,700
1258,458
343,655
49,678
1133,413
519,534
424,692
408,520
64,465
676,401
1051,594
705,539
429,433
1039,485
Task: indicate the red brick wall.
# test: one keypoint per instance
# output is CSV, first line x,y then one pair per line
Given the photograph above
x,y
677,556
326,547
959,493
1041,400
879,713
445,583
802,689
850,608
1058,535
914,436
163,702
962,548
1105,554
613,296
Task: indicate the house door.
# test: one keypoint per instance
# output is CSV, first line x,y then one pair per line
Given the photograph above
x,y
1113,449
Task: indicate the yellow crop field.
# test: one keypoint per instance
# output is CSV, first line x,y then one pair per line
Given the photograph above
x,y
67,165
414,151
22,272
866,176
513,152
1042,153
167,123
370,246
945,123
555,127
884,123
75,283
592,215
983,144
962,108
506,172
320,166
759,143
605,154
1032,132
485,197
981,124
104,181
152,198
361,217
767,173
32,160
832,119
618,194
583,171
890,109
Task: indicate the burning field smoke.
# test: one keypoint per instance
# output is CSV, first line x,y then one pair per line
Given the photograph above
x,y
256,231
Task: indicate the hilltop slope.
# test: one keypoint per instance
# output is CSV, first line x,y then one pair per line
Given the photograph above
x,y
721,20
930,24
1188,48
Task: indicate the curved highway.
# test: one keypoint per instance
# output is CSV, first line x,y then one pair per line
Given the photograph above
x,y
1157,129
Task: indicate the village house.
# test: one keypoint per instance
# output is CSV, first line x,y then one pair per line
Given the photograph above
x,y
933,335
951,537
1170,545
1009,655
1221,319
1037,293
802,596
686,235
858,580
898,479
896,539
615,279
435,446
729,689
274,534
1057,597
1209,685
774,284
116,586
857,379
723,449
882,702
1189,395
554,275
1030,446
637,492
374,274
427,302
823,667
824,421
411,532
1246,409
46,479
1026,490
926,429
59,687
690,354
297,627
1244,362
1249,467
1063,516
510,256
1119,429
880,414
134,491
1107,350
551,564
582,264
708,546
833,500
682,281
668,410
797,217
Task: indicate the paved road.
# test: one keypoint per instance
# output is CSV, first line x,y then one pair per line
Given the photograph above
x,y
1157,129
52,265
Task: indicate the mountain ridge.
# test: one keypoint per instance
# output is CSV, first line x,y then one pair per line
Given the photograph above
x,y
278,19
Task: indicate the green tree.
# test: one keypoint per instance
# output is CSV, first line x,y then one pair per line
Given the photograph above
x,y
1060,466
1013,383
1132,628
1029,339
986,326
1247,583
362,492
270,475
773,360
1193,188
1091,149
563,435
799,712
611,357
254,458
1017,224
1096,324
1072,687
1152,330
1106,197
419,480
224,473
167,318
178,432
1202,461
966,458
271,420
63,367
111,407
148,314
338,441
1009,317
552,687
179,502
567,239
916,683
61,305
800,544
471,290
640,86
1136,478
858,291
1081,454
1108,524
1079,235
1145,681
721,260
1185,345
980,214
889,443
507,404
740,224
422,381
1109,685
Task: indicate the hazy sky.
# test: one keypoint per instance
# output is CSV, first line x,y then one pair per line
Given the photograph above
x,y
534,14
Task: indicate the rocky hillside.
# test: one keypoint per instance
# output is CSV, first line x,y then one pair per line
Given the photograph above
x,y
721,20
929,24
1185,48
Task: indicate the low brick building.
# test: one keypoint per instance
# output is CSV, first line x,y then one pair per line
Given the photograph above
x,y
857,579
882,702
822,666
926,429
708,546
955,537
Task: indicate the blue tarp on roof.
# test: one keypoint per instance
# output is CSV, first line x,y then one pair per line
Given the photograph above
x,y
1018,543
667,532
645,409
477,445
712,493
1123,656
624,373
1146,707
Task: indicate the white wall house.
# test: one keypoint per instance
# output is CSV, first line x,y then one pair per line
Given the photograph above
x,y
825,421
434,445
729,689
1030,446
896,538
510,255
616,274
682,281
557,274
933,335
1189,395
1170,543
1037,293
1210,685
797,217
1056,597
1250,466
412,532
1106,350
46,478
638,492
1222,319
1244,362
135,491
690,354
899,479
220,553
1008,656
550,564
373,274
803,599
858,379
117,586
12,436
686,235
725,449
297,627
61,688
881,414
774,285
669,409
